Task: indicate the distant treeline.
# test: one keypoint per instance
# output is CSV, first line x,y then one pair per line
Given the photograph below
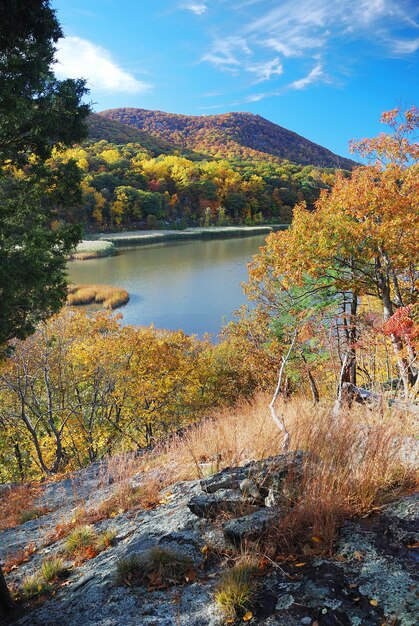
x,y
126,185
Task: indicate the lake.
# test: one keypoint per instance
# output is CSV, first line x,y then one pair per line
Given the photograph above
x,y
192,285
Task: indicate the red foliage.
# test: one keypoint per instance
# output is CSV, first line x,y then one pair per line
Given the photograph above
x,y
404,322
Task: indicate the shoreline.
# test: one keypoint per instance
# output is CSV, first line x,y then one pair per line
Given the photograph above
x,y
160,236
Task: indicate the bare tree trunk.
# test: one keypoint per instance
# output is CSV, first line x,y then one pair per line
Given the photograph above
x,y
338,403
6,602
278,419
313,386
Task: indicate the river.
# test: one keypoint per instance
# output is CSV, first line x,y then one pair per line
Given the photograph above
x,y
192,285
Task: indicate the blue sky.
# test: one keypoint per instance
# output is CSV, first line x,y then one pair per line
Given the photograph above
x,y
325,69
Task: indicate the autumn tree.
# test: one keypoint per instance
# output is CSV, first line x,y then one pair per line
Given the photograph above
x,y
360,241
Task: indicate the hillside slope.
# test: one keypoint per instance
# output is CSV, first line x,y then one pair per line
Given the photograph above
x,y
114,131
242,135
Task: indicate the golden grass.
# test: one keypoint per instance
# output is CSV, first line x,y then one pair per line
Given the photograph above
x,y
353,465
110,297
17,504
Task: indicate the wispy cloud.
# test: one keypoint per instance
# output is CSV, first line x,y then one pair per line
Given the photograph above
x,y
227,53
314,76
405,46
199,8
309,27
266,69
80,58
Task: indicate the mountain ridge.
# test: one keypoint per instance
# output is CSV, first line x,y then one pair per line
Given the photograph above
x,y
235,134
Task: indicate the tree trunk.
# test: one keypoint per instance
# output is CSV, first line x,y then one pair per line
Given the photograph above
x,y
278,419
6,602
397,343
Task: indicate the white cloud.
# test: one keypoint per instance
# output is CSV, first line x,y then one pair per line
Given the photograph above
x,y
199,8
266,70
405,46
314,76
80,58
226,52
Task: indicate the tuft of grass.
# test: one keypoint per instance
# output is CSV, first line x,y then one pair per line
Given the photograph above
x,y
84,543
167,565
80,540
158,567
52,568
31,514
237,589
127,568
110,297
105,540
34,586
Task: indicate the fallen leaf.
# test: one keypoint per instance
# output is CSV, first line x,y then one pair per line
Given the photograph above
x,y
190,576
299,564
412,546
374,602
358,555
316,539
247,616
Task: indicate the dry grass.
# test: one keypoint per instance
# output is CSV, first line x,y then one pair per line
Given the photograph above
x,y
354,463
17,505
110,297
352,467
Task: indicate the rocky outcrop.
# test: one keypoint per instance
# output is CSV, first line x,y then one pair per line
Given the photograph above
x,y
371,580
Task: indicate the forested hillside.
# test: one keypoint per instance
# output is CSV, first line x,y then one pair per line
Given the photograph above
x,y
240,135
126,184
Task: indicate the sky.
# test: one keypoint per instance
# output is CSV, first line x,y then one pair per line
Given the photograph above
x,y
325,69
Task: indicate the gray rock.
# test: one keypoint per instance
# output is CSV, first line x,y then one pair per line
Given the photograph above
x,y
249,488
227,479
249,527
212,504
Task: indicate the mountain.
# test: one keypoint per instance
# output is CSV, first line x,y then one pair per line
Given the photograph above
x,y
242,135
114,131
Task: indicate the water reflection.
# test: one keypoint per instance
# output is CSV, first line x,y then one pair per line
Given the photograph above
x,y
193,285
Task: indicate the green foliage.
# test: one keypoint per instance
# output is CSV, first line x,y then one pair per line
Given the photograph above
x,y
126,185
37,112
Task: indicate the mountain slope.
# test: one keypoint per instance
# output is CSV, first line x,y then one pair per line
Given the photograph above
x,y
231,135
114,131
